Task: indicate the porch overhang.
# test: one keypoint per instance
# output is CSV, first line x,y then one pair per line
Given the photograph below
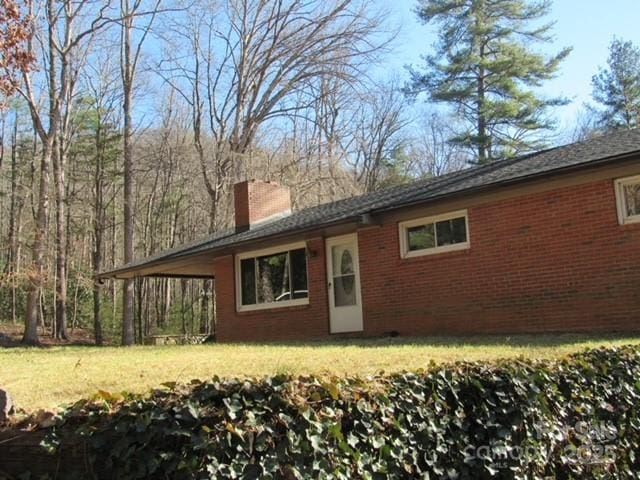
x,y
200,266
197,260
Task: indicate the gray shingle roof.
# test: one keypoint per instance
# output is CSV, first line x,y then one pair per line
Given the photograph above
x,y
577,155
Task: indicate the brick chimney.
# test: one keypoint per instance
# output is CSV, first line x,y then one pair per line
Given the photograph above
x,y
256,202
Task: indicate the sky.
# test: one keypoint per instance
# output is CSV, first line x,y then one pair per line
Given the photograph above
x,y
586,25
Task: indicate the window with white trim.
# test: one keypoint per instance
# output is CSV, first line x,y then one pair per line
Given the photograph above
x,y
628,199
442,233
272,278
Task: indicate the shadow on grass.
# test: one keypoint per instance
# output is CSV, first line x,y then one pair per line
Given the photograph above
x,y
11,337
450,341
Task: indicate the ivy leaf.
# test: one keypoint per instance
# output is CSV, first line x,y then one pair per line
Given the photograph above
x,y
252,471
333,390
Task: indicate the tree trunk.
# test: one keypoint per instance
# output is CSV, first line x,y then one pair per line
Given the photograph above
x,y
183,288
14,215
98,231
139,287
36,275
61,248
128,333
13,204
483,153
97,315
16,245
47,137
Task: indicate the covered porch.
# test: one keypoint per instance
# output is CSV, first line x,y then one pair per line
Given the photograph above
x,y
174,297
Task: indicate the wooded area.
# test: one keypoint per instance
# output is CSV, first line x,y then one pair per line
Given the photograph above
x,y
126,124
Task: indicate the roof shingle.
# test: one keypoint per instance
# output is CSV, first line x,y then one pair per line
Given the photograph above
x,y
576,155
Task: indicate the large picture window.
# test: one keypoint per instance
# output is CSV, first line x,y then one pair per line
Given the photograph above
x,y
628,198
272,278
424,236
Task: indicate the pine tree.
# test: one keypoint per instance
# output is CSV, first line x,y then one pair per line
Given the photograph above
x,y
617,88
485,68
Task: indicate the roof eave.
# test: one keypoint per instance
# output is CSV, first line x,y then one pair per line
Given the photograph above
x,y
119,273
355,219
514,181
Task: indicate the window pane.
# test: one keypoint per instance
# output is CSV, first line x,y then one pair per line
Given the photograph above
x,y
450,232
248,281
273,278
344,290
299,273
632,199
421,237
342,259
344,278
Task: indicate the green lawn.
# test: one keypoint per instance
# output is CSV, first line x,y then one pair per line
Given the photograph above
x,y
46,378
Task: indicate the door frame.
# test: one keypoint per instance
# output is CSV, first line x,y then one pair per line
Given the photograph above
x,y
333,318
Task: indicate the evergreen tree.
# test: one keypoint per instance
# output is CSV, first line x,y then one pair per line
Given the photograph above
x,y
617,87
484,66
396,168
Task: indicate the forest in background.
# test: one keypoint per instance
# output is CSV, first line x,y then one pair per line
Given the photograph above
x,y
126,123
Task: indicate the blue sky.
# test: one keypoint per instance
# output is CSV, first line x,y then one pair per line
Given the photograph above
x,y
587,25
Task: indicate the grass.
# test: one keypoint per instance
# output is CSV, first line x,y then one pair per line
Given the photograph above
x,y
46,378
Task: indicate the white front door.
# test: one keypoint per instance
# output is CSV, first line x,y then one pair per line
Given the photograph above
x,y
343,274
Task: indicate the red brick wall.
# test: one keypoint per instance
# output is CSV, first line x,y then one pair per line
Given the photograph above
x,y
255,201
289,323
554,261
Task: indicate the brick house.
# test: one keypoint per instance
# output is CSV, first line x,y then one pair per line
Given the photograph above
x,y
547,242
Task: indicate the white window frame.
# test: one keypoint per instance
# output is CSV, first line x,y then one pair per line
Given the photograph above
x,y
260,253
623,218
404,237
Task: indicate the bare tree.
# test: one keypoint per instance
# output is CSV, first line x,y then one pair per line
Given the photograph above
x,y
102,150
47,131
62,43
135,17
587,123
379,122
267,89
16,204
254,62
431,152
